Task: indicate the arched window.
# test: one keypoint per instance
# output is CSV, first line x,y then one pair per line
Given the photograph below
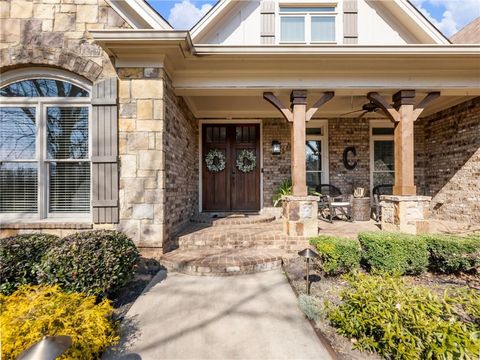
x,y
44,148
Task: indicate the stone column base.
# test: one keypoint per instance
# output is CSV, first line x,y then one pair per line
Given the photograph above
x,y
300,215
407,214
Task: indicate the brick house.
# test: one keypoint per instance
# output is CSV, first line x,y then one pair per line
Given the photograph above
x,y
109,117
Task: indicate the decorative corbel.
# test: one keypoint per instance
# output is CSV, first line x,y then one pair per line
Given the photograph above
x,y
272,99
424,103
388,109
326,97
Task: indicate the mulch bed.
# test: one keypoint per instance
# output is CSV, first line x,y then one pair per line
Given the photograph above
x,y
124,298
329,288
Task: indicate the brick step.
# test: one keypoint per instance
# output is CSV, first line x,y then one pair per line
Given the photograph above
x,y
233,236
222,262
231,219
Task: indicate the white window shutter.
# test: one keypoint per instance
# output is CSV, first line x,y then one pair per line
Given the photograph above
x,y
105,152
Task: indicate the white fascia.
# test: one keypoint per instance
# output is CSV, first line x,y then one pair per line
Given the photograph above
x,y
407,7
209,17
139,14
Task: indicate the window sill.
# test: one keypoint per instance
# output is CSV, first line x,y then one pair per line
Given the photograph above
x,y
32,225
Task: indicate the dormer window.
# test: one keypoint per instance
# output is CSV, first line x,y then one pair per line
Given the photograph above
x,y
312,24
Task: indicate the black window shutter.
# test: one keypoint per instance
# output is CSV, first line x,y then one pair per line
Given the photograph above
x,y
105,152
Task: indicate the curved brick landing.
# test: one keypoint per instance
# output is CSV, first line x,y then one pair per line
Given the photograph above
x,y
222,262
232,219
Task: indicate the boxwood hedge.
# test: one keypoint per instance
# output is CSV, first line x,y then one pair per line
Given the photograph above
x,y
93,262
394,252
19,257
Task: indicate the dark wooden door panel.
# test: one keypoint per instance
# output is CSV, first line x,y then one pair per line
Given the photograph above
x,y
246,186
216,186
231,189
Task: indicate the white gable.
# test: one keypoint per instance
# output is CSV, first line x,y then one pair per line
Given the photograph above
x,y
139,15
363,22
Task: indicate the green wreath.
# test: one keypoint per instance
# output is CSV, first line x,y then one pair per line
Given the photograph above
x,y
246,161
212,165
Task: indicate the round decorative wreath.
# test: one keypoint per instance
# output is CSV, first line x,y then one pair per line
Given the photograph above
x,y
246,161
212,165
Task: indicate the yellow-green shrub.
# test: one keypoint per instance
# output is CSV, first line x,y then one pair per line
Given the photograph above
x,y
400,321
32,312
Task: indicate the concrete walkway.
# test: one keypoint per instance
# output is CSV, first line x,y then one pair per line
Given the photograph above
x,y
237,317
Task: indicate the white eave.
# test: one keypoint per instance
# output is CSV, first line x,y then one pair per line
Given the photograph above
x,y
139,15
109,39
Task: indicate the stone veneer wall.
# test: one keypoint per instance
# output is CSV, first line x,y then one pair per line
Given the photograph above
x,y
142,162
180,143
276,168
452,171
51,32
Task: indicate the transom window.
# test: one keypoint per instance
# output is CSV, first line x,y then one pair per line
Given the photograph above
x,y
44,149
307,24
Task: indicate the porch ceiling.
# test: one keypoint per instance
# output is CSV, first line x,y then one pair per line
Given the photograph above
x,y
228,81
245,105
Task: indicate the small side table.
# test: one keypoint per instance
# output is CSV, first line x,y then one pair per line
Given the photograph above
x,y
361,209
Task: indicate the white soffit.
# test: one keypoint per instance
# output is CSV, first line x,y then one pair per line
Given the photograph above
x,y
139,14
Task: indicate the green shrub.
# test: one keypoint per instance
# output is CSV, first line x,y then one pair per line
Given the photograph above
x,y
93,262
394,252
19,256
401,321
32,312
453,254
338,255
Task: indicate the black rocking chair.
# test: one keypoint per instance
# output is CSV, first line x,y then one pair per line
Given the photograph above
x,y
379,190
333,201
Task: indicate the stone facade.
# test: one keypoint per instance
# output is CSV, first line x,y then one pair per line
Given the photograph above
x,y
406,214
452,166
142,156
55,33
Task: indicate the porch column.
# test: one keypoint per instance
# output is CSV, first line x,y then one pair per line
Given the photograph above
x,y
300,211
404,211
299,168
404,101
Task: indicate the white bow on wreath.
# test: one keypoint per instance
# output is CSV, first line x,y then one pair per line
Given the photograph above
x,y
246,161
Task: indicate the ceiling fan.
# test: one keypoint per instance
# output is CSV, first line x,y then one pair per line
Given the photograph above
x,y
369,107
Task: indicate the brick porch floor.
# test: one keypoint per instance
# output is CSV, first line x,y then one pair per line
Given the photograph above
x,y
236,244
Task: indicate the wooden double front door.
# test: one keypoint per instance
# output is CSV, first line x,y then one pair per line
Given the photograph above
x,y
231,189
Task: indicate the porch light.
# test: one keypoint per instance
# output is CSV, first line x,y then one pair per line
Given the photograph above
x,y
308,254
49,348
276,147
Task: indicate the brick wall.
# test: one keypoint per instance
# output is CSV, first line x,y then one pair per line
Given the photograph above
x,y
452,171
276,168
349,132
180,143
